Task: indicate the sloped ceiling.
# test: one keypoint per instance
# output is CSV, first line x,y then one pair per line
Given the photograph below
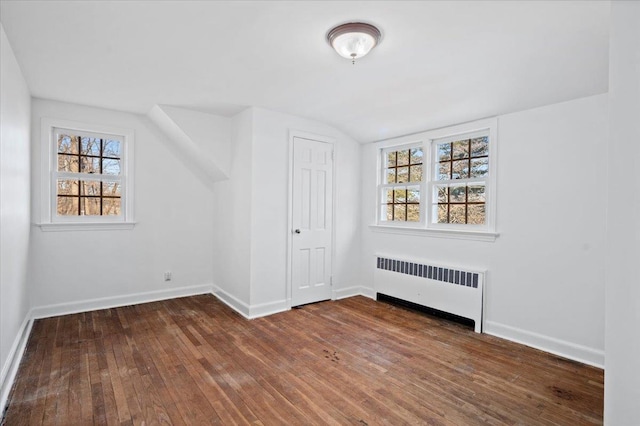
x,y
439,63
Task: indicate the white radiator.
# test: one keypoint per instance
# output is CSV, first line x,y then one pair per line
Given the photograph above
x,y
453,290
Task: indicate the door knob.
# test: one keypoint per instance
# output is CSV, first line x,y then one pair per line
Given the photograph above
x,y
297,231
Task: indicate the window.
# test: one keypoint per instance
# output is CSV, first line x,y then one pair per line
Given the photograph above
x,y
87,178
440,181
402,174
460,170
88,174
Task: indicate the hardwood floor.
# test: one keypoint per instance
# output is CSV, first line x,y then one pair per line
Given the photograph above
x,y
355,361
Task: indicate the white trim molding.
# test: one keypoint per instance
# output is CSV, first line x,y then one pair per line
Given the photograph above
x,y
231,301
436,233
347,292
10,367
116,301
269,308
250,311
572,351
109,226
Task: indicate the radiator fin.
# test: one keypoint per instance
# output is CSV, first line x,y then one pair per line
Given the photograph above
x,y
438,273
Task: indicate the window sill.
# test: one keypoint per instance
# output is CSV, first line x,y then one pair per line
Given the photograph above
x,y
436,233
86,226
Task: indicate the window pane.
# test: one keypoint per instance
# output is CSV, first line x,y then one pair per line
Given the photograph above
x,y
90,146
480,146
444,151
442,194
479,166
476,193
111,189
400,195
413,195
90,188
403,158
67,206
403,174
89,165
416,174
457,213
413,213
476,214
390,212
416,156
111,206
400,212
460,169
67,144
68,163
391,159
111,148
110,167
388,195
444,171
391,176
461,149
458,194
67,187
442,213
89,206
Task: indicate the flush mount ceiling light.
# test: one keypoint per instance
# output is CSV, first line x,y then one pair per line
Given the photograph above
x,y
354,40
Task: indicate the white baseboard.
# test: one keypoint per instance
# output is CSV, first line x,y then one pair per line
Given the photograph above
x,y
115,301
10,367
343,293
233,302
250,311
583,354
264,309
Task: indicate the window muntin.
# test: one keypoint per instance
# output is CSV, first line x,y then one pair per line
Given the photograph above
x,y
460,169
402,172
88,175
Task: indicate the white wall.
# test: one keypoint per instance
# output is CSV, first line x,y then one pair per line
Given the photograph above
x,y
545,281
251,231
202,141
232,219
270,201
14,205
210,132
622,378
174,232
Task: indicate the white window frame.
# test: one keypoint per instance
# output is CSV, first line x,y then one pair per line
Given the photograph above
x,y
382,186
50,220
428,140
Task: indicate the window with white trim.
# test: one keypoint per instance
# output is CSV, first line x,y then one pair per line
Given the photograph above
x,y
402,169
439,180
87,174
460,167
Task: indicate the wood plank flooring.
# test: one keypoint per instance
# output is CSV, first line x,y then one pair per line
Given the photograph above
x,y
355,361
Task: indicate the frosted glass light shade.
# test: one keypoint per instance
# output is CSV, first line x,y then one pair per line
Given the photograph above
x,y
353,40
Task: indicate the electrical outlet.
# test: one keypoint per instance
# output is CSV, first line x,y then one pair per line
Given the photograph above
x,y
167,276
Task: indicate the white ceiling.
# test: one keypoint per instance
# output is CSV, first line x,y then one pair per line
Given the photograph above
x,y
439,63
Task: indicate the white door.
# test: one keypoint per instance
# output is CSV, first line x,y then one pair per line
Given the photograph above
x,y
312,221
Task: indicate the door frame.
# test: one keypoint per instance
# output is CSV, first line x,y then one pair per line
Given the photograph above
x,y
318,138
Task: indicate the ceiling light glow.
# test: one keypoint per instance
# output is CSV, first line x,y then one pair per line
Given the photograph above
x,y
354,40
